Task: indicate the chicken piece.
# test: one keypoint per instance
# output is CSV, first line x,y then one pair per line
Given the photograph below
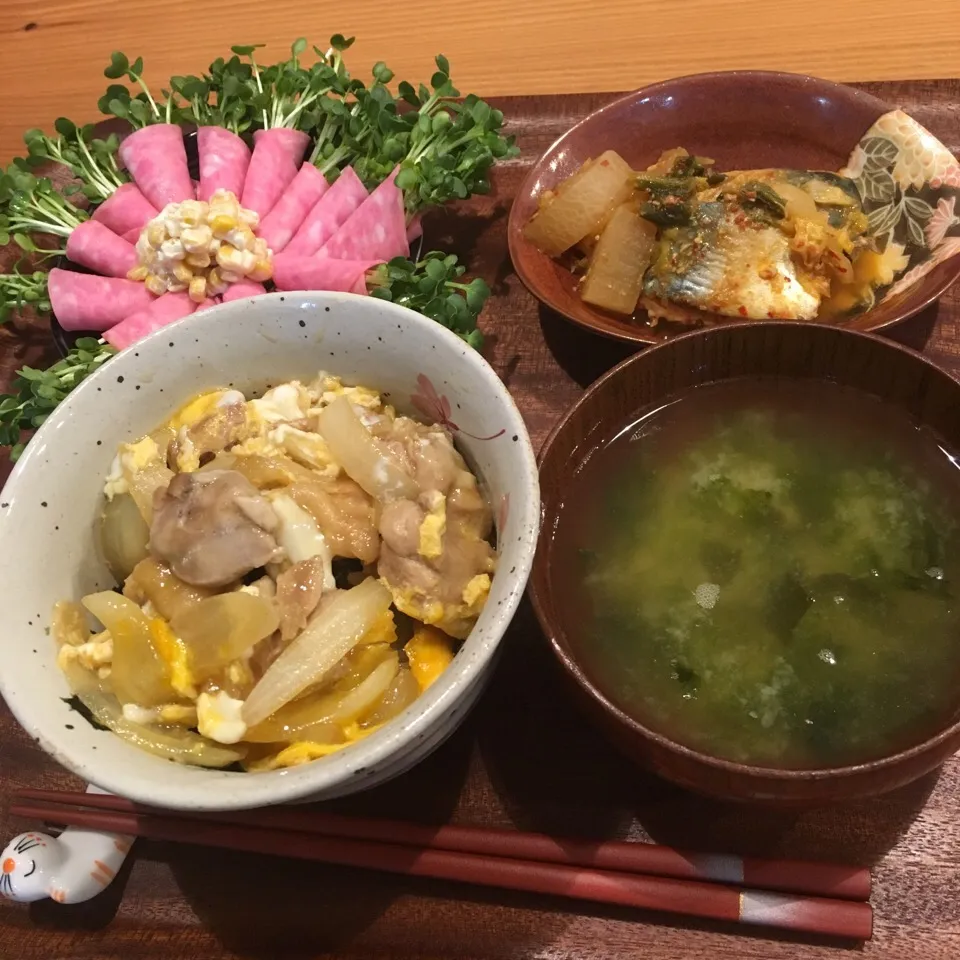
x,y
201,441
211,528
345,514
435,558
299,589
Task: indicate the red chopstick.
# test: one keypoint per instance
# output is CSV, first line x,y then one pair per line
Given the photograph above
x,y
787,876
840,918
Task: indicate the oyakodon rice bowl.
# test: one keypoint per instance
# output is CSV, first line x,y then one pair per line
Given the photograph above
x,y
54,499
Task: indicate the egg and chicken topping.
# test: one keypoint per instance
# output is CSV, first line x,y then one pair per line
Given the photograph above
x,y
296,569
202,248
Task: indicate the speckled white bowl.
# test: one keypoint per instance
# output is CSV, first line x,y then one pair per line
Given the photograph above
x,y
49,505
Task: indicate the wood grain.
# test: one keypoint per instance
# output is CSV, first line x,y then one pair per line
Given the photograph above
x,y
54,53
524,758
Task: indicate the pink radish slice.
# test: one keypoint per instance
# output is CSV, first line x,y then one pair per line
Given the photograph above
x,y
376,230
414,229
224,159
283,221
125,210
98,248
292,272
332,209
157,160
82,301
243,288
132,236
164,310
277,153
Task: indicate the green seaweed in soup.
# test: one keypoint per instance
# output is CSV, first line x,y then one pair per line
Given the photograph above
x,y
766,572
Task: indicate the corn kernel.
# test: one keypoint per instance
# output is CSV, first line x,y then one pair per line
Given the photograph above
x,y
156,233
138,273
215,283
175,287
155,285
241,237
222,224
182,273
230,276
172,249
196,239
199,261
198,289
193,212
225,199
262,271
250,217
229,258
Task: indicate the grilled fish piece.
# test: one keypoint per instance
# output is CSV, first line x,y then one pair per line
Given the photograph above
x,y
764,244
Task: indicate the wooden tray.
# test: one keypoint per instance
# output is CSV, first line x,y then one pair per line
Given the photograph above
x,y
524,758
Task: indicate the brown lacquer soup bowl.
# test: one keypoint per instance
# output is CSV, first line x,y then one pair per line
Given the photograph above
x,y
900,377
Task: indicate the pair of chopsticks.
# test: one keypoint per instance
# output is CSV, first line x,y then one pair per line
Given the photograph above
x,y
788,894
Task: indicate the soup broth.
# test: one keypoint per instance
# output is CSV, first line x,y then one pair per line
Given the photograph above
x,y
767,571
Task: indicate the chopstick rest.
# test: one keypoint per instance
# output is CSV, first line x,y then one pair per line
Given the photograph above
x,y
70,868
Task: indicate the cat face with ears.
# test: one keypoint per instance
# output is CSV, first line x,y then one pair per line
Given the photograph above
x,y
25,866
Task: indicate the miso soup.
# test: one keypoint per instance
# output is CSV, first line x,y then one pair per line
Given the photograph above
x,y
768,572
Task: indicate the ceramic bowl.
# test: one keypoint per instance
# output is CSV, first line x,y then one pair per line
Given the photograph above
x,y
742,119
649,379
50,503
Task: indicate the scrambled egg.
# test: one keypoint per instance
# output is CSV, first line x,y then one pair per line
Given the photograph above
x,y
300,536
131,458
173,651
305,751
307,449
384,630
97,652
289,401
476,590
433,527
455,618
218,717
174,714
326,388
430,652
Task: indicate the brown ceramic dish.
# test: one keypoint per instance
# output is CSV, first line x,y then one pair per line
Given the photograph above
x,y
776,349
740,119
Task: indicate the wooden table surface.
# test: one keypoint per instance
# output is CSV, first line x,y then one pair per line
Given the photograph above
x,y
524,758
53,53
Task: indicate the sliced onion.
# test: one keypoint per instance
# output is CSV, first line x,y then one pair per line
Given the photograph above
x,y
329,637
799,203
123,535
163,588
361,456
320,718
137,672
145,482
171,743
223,628
399,695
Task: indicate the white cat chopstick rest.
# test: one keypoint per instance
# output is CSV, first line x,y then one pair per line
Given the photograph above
x,y
70,868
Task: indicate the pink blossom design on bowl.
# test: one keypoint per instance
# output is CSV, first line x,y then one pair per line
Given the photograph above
x,y
436,408
942,220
